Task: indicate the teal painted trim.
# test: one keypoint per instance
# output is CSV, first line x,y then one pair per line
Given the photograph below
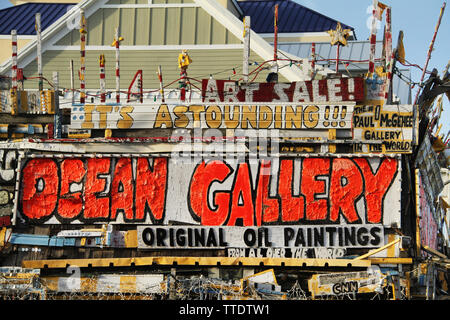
x,y
46,241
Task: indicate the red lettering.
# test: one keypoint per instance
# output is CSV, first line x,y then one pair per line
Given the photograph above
x,y
122,189
40,188
266,209
242,201
204,176
376,185
292,208
151,186
96,207
316,208
346,187
70,203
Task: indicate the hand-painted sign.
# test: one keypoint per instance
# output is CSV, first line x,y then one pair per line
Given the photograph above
x,y
231,192
390,125
169,237
315,91
346,282
428,227
237,116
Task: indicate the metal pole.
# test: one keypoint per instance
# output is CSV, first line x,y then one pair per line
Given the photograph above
x,y
71,82
337,57
430,49
102,79
83,58
14,59
161,86
14,98
373,38
388,52
58,122
117,42
39,50
275,40
245,61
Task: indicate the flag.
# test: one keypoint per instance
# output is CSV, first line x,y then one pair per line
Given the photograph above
x,y
400,49
379,10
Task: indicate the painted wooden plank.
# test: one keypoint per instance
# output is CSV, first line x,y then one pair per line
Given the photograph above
x,y
193,261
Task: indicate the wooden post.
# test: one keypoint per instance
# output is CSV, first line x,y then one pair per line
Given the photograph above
x,y
313,58
275,40
117,43
57,122
245,62
161,86
102,79
337,57
72,82
14,59
430,49
83,58
389,54
14,97
39,50
373,38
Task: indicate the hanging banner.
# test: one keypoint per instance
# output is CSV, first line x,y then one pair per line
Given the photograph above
x,y
222,192
384,129
315,91
220,116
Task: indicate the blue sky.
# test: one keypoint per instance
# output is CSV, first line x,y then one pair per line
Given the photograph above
x,y
417,19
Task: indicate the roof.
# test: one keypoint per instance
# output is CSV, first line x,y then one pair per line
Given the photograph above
x,y
354,51
292,17
22,17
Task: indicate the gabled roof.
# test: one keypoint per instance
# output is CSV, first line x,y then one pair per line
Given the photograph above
x,y
22,17
292,17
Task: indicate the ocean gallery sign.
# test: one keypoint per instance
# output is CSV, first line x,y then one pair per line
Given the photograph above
x,y
194,237
233,192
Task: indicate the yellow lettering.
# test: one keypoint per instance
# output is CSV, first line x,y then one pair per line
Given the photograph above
x,y
311,116
249,116
265,117
103,110
278,117
216,121
88,124
163,117
293,117
182,120
127,121
196,110
232,123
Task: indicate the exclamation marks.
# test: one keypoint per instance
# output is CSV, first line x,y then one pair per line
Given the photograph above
x,y
343,115
351,89
326,123
338,113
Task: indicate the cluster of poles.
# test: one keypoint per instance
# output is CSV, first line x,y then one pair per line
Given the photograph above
x,y
378,9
